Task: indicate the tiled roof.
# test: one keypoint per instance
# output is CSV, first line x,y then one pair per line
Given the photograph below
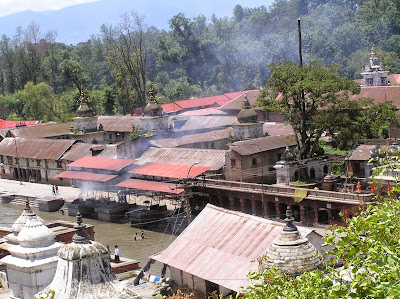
x,y
380,94
222,246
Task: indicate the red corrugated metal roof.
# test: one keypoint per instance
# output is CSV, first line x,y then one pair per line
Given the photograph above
x,y
222,246
101,163
171,107
13,123
150,186
200,102
169,170
85,176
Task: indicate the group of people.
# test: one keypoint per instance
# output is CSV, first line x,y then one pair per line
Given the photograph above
x,y
142,236
54,189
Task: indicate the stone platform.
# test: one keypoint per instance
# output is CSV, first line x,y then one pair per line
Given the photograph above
x,y
124,265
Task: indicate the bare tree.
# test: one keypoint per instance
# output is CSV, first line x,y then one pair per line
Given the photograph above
x,y
127,57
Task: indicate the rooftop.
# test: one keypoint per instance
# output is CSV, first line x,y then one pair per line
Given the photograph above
x,y
101,163
263,144
168,170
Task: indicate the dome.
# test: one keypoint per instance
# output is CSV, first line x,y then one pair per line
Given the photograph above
x,y
83,109
247,114
84,271
35,233
152,108
290,252
286,157
329,178
20,222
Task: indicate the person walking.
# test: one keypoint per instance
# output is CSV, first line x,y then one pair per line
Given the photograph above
x,y
109,252
116,254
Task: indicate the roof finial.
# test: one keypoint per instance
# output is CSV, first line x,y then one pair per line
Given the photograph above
x,y
27,205
290,227
80,236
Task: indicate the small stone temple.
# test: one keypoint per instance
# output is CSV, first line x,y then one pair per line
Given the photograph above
x,y
374,74
247,126
153,119
84,271
290,252
85,120
33,260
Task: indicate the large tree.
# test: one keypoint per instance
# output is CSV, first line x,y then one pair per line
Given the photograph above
x,y
306,95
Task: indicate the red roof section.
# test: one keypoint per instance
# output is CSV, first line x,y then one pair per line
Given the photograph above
x,y
150,186
169,170
101,163
171,107
14,123
85,176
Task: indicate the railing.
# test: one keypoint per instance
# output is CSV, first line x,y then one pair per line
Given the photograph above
x,y
288,191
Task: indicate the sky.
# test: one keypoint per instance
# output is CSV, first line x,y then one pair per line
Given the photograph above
x,y
13,6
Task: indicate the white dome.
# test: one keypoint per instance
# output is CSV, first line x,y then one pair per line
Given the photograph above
x,y
35,233
20,222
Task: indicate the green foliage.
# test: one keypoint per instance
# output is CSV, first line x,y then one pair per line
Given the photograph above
x,y
370,248
137,131
306,93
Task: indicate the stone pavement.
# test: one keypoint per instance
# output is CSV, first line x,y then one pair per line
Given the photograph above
x,y
39,190
68,193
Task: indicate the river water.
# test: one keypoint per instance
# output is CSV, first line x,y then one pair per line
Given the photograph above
x,y
106,233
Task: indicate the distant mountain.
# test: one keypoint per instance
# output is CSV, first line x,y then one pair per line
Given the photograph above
x,y
77,23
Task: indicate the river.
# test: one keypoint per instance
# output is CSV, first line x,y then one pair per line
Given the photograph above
x,y
106,233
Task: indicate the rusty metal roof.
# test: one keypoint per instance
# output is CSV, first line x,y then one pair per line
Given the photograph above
x,y
118,123
207,122
222,246
276,129
150,186
263,144
168,170
193,138
51,149
85,176
184,156
109,152
44,130
380,94
78,151
362,152
101,163
237,103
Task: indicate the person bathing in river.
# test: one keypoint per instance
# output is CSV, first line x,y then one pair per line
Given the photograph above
x,y
143,236
135,237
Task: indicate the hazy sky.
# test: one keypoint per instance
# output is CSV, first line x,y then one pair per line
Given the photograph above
x,y
12,6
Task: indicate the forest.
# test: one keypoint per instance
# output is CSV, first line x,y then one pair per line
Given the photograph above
x,y
41,79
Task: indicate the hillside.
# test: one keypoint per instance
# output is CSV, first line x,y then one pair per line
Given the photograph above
x,y
77,23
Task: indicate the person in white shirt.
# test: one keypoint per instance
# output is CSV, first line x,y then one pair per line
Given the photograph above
x,y
116,254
